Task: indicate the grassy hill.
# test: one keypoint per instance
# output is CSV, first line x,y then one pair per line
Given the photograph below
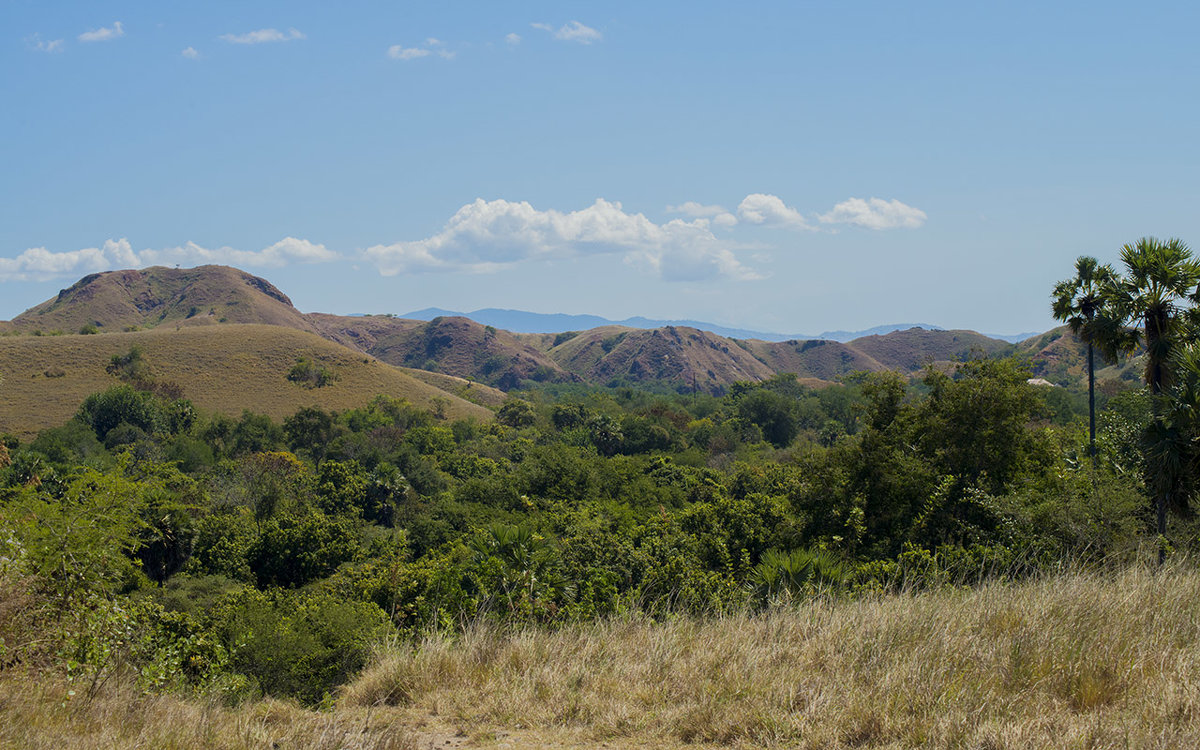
x,y
457,347
225,368
675,355
816,358
451,345
119,300
911,350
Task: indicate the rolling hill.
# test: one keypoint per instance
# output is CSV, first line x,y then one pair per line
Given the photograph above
x,y
223,369
122,300
457,354
454,346
682,357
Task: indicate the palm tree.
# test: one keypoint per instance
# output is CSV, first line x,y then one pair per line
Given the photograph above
x,y
1077,302
1156,294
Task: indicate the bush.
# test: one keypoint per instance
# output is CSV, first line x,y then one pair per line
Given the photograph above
x,y
311,375
293,550
298,646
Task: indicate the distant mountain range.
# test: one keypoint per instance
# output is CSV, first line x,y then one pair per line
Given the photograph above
x,y
520,321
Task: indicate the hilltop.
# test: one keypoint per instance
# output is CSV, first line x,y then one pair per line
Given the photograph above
x,y
122,300
223,369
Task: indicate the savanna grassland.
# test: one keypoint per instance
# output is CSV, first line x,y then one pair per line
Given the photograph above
x,y
220,368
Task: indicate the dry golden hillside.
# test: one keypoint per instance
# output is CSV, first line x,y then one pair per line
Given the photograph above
x,y
675,354
814,358
451,345
117,300
221,368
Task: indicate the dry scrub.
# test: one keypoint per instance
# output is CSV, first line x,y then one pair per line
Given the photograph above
x,y
46,716
1077,660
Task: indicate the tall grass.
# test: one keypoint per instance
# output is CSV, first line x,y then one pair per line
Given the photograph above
x,y
1078,660
48,715
1073,660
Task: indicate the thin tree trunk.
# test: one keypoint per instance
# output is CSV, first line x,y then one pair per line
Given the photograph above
x,y
1092,405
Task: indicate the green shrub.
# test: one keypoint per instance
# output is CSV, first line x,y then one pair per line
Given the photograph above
x,y
295,645
294,549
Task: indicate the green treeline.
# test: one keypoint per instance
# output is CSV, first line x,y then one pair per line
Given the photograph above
x,y
249,557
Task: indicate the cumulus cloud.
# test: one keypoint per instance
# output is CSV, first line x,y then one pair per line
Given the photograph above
x,y
190,53
875,213
285,252
400,52
512,39
486,236
718,215
103,34
40,264
397,52
263,36
45,45
770,210
572,31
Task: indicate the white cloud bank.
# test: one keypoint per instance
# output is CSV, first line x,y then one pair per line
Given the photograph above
x,y
875,213
262,36
872,213
486,236
103,34
572,31
716,214
770,210
190,53
40,264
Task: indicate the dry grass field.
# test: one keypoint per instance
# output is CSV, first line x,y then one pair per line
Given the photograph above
x,y
1078,661
221,368
1070,661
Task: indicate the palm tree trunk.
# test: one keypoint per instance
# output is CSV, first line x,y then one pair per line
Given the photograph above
x,y
1092,405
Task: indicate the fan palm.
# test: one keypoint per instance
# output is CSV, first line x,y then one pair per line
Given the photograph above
x,y
1079,302
1156,294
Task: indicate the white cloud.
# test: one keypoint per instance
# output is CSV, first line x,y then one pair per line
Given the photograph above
x,y
41,45
513,39
485,236
717,215
103,34
40,264
400,52
692,208
286,251
190,53
770,210
397,52
875,213
572,31
262,36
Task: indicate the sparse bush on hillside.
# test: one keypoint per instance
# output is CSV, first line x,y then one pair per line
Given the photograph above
x,y
311,375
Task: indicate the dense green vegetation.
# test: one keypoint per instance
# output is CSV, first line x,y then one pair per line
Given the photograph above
x,y
248,556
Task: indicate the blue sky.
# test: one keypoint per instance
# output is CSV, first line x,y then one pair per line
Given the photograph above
x,y
790,167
